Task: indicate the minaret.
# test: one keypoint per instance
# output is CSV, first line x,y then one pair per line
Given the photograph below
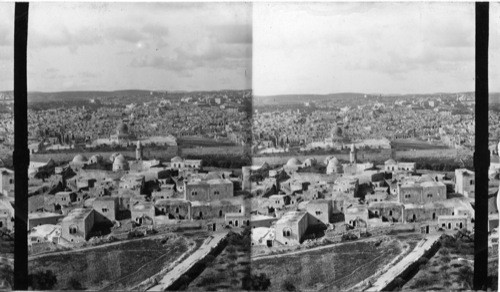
x,y
353,157
138,151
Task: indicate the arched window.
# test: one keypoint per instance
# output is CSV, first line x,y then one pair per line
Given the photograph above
x,y
287,232
390,213
177,210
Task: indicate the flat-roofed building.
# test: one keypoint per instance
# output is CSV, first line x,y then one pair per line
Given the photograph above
x,y
291,227
77,225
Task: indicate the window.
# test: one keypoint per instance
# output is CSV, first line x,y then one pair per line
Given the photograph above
x,y
407,196
318,212
390,213
104,210
429,195
10,181
72,229
177,210
216,193
287,232
194,193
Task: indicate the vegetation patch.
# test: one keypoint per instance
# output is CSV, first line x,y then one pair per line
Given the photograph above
x,y
337,267
112,267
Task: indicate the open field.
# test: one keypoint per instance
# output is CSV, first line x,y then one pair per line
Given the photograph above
x,y
338,267
114,267
408,144
226,271
451,268
376,157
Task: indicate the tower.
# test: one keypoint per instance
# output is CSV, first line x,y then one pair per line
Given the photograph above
x,y
138,151
352,155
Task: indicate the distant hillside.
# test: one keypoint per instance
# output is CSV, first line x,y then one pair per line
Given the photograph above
x,y
80,95
299,98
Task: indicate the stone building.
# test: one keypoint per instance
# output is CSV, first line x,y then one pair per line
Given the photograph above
x,y
291,227
106,208
77,225
392,166
6,181
42,218
455,222
346,184
357,216
64,198
421,193
426,212
320,211
387,211
143,213
279,201
208,190
215,209
464,182
173,208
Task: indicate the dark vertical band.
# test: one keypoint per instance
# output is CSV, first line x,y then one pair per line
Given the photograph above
x,y
481,154
21,154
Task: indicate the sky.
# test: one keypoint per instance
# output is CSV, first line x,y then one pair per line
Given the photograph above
x,y
153,46
363,47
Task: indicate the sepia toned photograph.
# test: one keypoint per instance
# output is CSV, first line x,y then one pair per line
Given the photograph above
x,y
249,146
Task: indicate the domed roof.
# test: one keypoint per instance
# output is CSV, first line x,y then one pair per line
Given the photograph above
x,y
336,131
119,159
96,157
390,162
177,159
113,156
293,162
122,128
333,162
79,159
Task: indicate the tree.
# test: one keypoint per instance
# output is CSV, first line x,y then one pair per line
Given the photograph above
x,y
255,283
42,280
288,285
74,284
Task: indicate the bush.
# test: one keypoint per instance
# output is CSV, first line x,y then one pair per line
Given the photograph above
x,y
288,285
74,284
42,280
134,234
255,283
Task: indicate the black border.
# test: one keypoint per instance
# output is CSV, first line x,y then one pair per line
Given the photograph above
x,y
481,152
21,154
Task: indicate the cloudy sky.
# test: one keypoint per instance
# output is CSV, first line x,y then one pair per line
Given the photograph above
x,y
163,46
363,47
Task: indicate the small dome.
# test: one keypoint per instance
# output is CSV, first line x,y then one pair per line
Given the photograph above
x,y
120,163
390,162
336,132
293,162
310,162
95,158
119,159
113,156
122,129
177,159
333,166
79,159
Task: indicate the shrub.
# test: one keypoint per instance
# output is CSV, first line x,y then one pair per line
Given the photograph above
x,y
288,285
42,280
255,283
